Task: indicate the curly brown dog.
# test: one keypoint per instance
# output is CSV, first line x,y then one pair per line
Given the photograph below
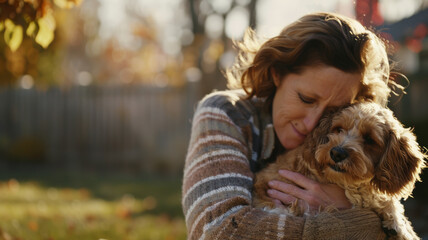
x,y
364,149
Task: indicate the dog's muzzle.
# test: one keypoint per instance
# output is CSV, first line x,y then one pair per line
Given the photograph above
x,y
338,154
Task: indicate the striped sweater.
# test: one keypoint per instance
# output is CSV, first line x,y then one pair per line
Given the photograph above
x,y
230,136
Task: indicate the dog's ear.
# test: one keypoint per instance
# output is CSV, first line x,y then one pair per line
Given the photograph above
x,y
323,129
401,163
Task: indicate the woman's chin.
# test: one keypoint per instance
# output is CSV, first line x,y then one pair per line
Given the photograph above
x,y
291,144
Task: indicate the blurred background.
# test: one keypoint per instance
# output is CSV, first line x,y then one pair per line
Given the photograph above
x,y
97,97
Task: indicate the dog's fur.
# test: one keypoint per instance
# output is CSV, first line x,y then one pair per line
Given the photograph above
x,y
364,149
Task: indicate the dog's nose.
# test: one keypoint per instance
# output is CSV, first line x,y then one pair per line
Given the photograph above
x,y
338,154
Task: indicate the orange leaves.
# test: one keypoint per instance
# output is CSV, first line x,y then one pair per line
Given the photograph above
x,y
13,34
33,226
128,205
45,35
13,185
34,17
30,210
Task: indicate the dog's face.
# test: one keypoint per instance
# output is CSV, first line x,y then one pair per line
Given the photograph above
x,y
365,143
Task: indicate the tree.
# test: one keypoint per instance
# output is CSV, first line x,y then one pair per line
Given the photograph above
x,y
211,49
32,17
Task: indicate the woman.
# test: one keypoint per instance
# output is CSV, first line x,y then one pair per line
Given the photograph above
x,y
282,87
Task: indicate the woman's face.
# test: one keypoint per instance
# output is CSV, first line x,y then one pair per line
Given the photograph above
x,y
301,99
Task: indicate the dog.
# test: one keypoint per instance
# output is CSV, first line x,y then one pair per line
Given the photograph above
x,y
365,150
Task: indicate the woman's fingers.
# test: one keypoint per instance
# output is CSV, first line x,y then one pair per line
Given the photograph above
x,y
302,187
278,204
287,189
313,193
280,197
298,179
288,193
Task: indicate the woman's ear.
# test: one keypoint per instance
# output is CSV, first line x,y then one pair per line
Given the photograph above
x,y
275,77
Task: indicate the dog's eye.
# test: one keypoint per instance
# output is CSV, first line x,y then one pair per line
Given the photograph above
x,y
368,140
323,140
337,130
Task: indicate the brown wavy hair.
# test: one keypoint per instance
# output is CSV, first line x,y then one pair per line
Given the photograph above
x,y
315,39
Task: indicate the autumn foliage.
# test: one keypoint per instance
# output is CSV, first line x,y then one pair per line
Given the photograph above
x,y
31,18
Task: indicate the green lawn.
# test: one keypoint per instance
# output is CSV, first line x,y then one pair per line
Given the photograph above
x,y
40,204
51,206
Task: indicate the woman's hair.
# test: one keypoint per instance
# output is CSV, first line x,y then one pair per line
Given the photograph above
x,y
316,39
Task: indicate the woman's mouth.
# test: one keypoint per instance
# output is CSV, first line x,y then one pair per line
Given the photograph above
x,y
299,134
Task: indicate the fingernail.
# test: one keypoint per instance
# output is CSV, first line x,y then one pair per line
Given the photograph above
x,y
271,183
283,172
270,191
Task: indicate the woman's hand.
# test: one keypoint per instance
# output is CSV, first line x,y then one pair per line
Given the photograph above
x,y
313,194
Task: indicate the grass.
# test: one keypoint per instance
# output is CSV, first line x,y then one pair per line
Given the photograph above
x,y
40,204
53,206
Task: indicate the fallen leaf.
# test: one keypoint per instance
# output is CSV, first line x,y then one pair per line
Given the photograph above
x,y
33,225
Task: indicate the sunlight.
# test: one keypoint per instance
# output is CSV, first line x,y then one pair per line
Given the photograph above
x,y
273,15
236,22
221,6
118,18
27,81
214,26
398,9
112,16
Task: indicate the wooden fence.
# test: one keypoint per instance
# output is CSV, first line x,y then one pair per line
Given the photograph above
x,y
127,127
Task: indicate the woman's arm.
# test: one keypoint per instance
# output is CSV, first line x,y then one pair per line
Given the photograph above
x,y
217,188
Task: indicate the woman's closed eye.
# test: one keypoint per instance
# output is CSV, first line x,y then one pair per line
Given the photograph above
x,y
306,99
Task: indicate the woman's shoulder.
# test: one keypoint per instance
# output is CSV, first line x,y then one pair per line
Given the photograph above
x,y
231,109
232,103
222,99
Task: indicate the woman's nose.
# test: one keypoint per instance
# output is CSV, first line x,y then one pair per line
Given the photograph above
x,y
311,120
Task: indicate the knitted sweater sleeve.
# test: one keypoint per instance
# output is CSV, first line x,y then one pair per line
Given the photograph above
x,y
217,185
